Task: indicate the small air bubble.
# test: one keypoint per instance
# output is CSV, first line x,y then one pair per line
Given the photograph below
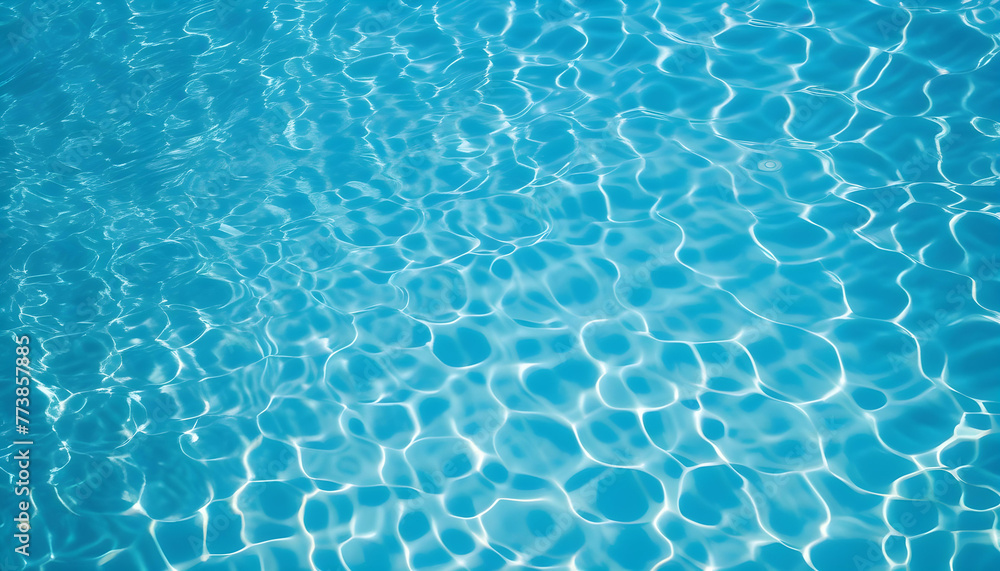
x,y
769,165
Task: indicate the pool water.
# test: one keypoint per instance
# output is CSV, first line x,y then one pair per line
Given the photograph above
x,y
599,284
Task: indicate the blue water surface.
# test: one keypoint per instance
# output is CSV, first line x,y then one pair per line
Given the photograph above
x,y
481,285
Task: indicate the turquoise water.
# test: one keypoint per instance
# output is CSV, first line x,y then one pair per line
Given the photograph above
x,y
504,285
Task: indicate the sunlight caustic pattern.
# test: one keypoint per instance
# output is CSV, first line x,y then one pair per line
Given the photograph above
x,y
487,284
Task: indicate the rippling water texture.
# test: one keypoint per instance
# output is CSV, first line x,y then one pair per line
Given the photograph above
x,y
482,284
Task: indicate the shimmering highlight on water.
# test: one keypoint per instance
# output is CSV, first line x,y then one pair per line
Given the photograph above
x,y
486,285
